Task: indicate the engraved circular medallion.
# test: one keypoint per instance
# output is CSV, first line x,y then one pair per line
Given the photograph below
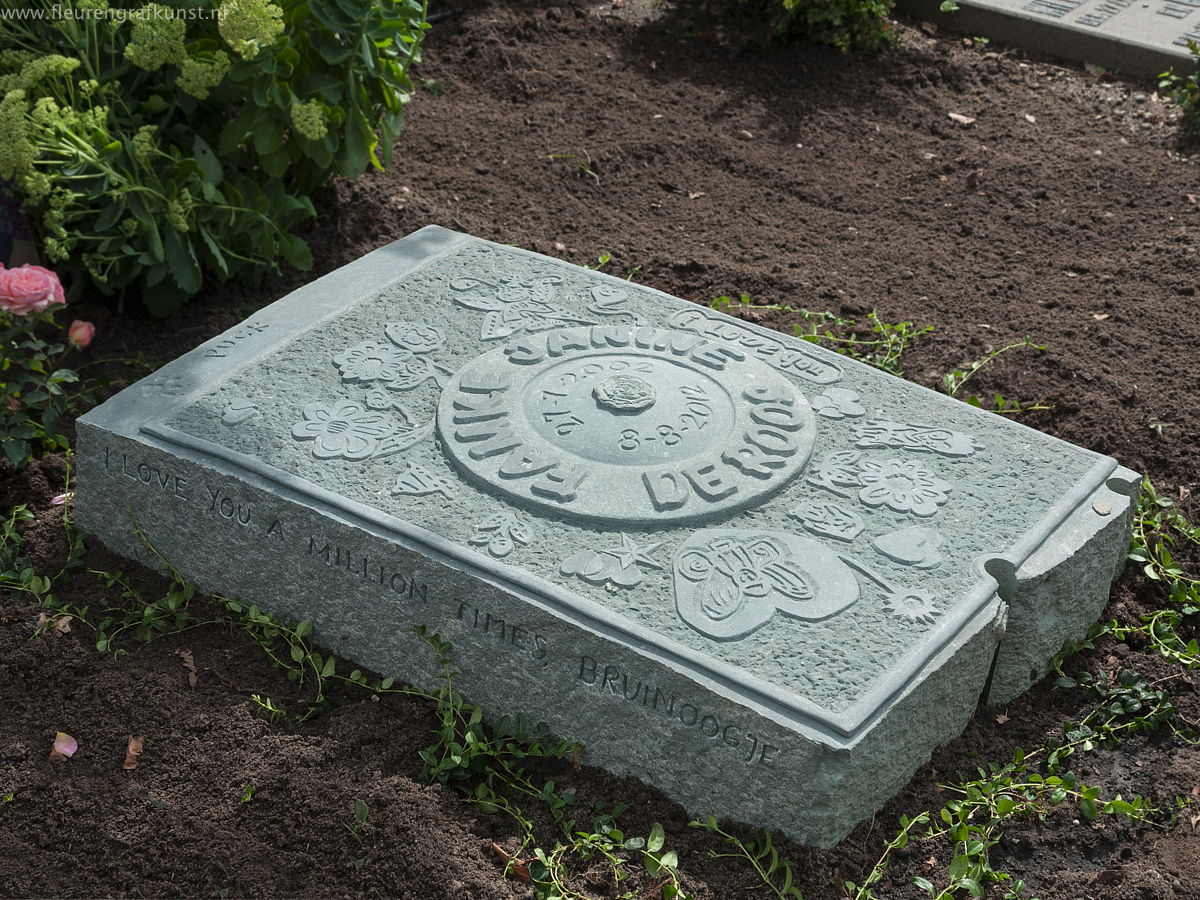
x,y
624,424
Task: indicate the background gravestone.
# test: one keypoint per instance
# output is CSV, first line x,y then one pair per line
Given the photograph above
x,y
756,574
1133,38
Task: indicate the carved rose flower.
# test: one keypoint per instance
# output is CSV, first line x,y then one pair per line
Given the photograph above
x,y
341,429
372,361
624,393
903,486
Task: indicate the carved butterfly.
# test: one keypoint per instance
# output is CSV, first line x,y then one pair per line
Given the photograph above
x,y
738,573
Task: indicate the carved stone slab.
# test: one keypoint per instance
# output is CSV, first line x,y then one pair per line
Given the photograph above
x,y
1135,38
757,574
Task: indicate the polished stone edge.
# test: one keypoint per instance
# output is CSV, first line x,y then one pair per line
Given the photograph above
x,y
815,790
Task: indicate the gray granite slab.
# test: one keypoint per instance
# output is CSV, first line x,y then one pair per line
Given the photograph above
x,y
759,575
1128,36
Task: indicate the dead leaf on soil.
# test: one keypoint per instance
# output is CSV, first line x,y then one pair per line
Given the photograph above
x,y
961,119
132,751
693,195
62,625
64,746
576,757
518,868
1001,719
1193,198
189,664
930,864
1100,317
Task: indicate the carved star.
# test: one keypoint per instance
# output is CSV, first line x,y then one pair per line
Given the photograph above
x,y
632,554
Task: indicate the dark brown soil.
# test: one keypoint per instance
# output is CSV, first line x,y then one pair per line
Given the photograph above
x,y
714,164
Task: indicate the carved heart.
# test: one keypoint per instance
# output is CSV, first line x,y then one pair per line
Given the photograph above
x,y
239,411
916,546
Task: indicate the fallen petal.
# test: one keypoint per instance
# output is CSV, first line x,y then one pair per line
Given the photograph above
x,y
64,746
132,752
961,119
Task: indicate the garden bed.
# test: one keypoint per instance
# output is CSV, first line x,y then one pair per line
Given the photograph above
x,y
706,164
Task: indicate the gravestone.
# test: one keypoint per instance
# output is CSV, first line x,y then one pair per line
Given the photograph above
x,y
761,576
1134,37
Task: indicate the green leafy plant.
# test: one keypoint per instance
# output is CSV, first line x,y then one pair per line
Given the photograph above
x,y
549,872
776,872
845,24
879,344
956,378
974,821
149,144
272,712
361,813
1184,90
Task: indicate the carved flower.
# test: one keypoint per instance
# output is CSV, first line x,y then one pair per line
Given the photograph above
x,y
837,403
415,337
372,361
341,429
411,373
916,606
903,486
624,393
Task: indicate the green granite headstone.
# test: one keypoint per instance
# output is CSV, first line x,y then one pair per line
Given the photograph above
x,y
759,575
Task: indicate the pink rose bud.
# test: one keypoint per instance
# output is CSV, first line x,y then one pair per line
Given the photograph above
x,y
29,289
81,333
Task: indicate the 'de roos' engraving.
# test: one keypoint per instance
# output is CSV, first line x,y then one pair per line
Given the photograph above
x,y
730,583
619,567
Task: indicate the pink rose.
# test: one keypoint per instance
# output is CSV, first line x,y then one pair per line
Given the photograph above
x,y
29,289
81,333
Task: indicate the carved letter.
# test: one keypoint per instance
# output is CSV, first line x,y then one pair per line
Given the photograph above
x,y
525,353
708,482
610,335
560,484
714,355
753,461
483,383
523,463
667,490
478,410
558,343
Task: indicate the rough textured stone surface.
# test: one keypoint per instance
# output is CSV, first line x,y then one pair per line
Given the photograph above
x,y
764,577
1142,39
